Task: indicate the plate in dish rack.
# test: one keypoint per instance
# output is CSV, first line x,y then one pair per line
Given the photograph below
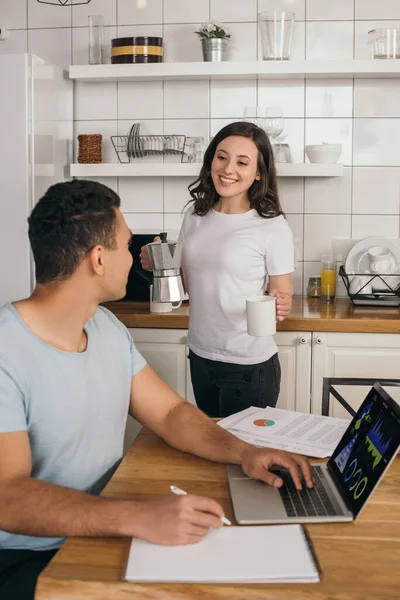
x,y
357,261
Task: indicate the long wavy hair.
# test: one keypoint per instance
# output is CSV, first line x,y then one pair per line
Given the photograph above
x,y
262,194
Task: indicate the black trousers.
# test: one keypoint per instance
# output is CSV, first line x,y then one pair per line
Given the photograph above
x,y
222,389
19,570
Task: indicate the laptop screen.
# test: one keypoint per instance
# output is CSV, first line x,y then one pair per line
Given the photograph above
x,y
366,448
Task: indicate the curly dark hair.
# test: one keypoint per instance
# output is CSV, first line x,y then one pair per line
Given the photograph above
x,y
263,193
67,222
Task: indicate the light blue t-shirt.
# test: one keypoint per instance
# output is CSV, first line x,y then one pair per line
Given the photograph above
x,y
74,406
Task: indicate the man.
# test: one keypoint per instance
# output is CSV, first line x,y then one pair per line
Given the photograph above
x,y
69,374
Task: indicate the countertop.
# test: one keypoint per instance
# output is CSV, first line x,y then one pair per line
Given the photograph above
x,y
307,315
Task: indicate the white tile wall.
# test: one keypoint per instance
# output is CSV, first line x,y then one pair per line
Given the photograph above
x,y
107,8
14,14
362,114
371,100
329,98
239,11
129,13
329,39
16,42
186,11
138,101
296,6
372,9
48,15
324,10
331,196
376,191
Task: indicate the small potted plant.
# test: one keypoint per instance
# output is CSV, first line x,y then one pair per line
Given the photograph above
x,y
214,42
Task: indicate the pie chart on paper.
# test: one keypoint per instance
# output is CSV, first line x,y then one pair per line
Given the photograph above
x,y
264,423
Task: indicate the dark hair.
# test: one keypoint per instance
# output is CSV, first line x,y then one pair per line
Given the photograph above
x,y
263,193
67,222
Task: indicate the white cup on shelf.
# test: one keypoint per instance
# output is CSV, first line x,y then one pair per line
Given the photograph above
x,y
261,316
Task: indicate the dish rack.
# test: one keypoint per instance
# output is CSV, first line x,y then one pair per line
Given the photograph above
x,y
389,296
135,146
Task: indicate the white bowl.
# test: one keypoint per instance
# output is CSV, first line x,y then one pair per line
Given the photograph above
x,y
324,153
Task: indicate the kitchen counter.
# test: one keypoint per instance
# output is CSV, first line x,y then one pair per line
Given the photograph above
x,y
307,315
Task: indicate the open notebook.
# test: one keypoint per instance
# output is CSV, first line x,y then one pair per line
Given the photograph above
x,y
273,554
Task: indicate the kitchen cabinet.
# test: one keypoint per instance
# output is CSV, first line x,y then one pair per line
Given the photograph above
x,y
166,352
352,355
306,358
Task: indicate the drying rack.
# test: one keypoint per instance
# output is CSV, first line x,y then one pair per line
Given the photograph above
x,y
130,147
388,296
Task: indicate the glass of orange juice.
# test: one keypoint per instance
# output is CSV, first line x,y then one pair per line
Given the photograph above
x,y
328,278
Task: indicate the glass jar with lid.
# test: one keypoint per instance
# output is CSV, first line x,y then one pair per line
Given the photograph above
x,y
314,287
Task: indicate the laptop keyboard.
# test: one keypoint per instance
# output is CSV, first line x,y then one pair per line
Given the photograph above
x,y
308,502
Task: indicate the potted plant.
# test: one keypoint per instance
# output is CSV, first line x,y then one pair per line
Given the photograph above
x,y
214,42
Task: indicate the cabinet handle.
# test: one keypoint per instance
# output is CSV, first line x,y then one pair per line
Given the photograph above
x,y
303,340
319,340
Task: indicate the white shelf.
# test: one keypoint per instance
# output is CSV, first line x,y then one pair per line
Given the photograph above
x,y
237,70
192,170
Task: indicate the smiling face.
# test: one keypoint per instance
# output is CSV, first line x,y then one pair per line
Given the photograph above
x,y
234,167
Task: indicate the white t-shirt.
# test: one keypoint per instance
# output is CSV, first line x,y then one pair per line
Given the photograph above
x,y
225,260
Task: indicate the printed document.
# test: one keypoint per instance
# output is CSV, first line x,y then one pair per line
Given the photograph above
x,y
312,435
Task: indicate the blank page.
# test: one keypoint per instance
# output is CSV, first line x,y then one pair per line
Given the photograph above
x,y
273,553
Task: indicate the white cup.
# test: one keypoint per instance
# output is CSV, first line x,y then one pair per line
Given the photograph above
x,y
379,259
261,315
162,307
360,284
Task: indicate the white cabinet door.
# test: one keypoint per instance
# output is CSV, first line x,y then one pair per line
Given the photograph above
x,y
353,355
168,361
294,348
165,352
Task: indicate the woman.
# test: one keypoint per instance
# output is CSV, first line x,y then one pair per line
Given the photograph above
x,y
234,235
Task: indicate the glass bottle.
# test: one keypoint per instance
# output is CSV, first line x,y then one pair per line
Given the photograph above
x,y
314,287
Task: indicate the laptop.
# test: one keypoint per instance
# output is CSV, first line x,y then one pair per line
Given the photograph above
x,y
342,486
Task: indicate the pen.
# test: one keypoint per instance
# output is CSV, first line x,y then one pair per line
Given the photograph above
x,y
179,492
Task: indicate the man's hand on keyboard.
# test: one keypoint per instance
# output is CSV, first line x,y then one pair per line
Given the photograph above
x,y
257,462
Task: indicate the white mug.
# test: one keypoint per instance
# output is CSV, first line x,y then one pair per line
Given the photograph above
x,y
162,307
380,259
261,315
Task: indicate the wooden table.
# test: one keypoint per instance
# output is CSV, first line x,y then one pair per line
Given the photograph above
x,y
359,560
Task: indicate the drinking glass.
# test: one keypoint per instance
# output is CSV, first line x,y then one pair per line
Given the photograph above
x,y
276,30
96,50
253,114
274,122
328,278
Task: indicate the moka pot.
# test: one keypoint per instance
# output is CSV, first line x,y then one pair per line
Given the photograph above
x,y
165,259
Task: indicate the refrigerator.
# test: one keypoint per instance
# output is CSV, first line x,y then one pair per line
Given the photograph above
x,y
36,139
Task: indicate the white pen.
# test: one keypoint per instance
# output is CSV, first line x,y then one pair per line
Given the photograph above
x,y
179,492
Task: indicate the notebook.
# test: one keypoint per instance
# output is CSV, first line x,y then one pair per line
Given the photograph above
x,y
342,487
274,554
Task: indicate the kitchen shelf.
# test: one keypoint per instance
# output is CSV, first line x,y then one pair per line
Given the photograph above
x,y
192,170
295,69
